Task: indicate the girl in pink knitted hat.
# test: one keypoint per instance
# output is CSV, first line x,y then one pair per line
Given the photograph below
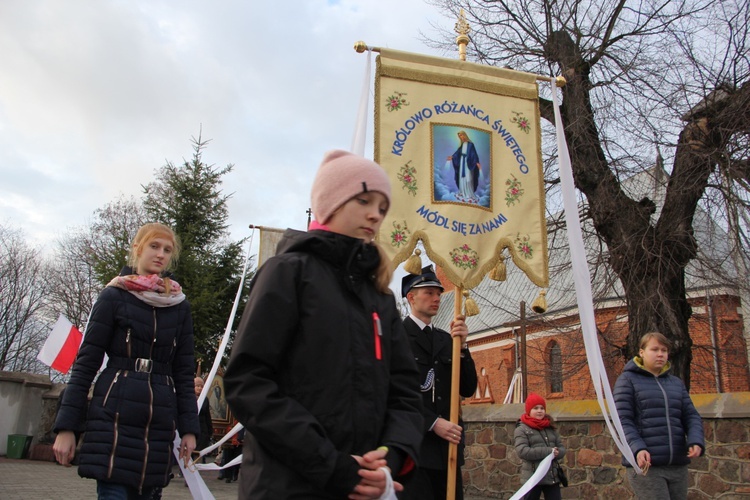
x,y
535,438
321,373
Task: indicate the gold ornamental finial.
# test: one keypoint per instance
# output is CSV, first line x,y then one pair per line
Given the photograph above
x,y
360,46
462,28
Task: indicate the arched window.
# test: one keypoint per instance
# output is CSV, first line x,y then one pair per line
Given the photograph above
x,y
554,367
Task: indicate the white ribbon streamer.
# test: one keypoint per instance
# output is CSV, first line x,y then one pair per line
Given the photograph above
x,y
390,491
541,471
360,126
582,281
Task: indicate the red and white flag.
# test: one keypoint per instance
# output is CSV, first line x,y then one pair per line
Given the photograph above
x,y
61,347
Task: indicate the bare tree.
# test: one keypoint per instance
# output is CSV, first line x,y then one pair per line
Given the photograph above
x,y
673,74
87,258
110,233
73,286
22,299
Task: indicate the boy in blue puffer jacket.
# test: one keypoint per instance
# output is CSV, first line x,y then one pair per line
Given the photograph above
x,y
662,427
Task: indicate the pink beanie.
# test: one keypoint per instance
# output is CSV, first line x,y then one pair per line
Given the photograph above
x,y
533,400
341,176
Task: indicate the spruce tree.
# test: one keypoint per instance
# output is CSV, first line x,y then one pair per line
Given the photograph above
x,y
189,199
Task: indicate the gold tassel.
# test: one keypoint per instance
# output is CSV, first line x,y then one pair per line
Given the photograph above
x,y
470,307
499,273
540,303
414,263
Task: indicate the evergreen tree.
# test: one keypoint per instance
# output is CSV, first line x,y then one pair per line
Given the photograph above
x,y
188,198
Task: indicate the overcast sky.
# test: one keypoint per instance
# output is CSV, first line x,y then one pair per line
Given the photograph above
x,y
97,94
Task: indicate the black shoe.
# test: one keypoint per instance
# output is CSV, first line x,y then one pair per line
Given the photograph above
x,y
229,480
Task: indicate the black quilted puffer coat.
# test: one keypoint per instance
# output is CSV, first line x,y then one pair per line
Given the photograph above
x,y
133,415
306,376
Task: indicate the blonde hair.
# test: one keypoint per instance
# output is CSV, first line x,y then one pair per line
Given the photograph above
x,y
384,273
145,235
657,336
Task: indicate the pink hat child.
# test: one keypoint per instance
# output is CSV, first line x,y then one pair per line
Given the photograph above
x,y
342,176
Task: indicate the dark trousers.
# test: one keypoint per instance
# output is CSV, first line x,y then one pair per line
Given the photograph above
x,y
551,492
431,484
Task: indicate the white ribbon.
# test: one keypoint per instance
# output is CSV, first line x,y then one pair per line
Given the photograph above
x,y
582,281
390,491
360,126
541,471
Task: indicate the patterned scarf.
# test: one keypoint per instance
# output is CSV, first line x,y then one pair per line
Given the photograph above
x,y
535,423
151,289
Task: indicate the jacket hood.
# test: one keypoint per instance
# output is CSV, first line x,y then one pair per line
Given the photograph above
x,y
352,254
636,365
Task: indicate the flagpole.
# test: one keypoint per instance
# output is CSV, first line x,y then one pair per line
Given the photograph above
x,y
462,29
559,81
455,379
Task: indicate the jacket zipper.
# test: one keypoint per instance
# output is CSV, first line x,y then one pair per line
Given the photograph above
x,y
150,412
666,414
114,446
127,342
111,385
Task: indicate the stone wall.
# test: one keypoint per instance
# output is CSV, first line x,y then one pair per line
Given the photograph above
x,y
23,405
593,462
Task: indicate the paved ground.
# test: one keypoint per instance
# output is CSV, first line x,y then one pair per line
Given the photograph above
x,y
39,480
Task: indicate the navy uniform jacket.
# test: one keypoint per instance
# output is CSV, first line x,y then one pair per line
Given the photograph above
x,y
434,451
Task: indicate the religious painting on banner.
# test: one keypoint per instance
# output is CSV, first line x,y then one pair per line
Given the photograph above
x,y
461,144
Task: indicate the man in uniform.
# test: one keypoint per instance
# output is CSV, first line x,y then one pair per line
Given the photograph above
x,y
433,351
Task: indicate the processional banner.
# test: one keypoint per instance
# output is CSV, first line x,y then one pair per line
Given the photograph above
x,y
269,240
462,146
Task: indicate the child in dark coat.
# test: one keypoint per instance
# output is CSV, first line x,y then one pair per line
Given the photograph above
x,y
535,438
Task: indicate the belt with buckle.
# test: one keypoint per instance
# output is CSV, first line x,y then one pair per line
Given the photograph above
x,y
141,365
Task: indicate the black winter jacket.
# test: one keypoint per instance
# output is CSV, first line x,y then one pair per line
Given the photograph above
x,y
437,403
132,416
657,415
304,376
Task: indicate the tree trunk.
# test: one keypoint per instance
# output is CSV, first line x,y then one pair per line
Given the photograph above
x,y
648,258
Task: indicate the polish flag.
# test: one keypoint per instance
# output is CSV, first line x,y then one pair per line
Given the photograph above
x,y
61,347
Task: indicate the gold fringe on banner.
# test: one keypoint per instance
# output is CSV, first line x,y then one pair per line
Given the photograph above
x,y
499,272
540,303
470,306
414,263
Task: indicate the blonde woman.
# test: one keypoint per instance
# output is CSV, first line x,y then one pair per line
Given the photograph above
x,y
142,322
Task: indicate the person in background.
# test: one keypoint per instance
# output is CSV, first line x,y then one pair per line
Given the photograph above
x,y
433,352
204,416
230,451
535,438
142,322
321,374
661,425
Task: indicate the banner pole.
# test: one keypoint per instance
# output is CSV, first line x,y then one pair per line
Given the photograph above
x,y
455,403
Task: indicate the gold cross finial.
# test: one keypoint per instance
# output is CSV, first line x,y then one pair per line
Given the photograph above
x,y
462,28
